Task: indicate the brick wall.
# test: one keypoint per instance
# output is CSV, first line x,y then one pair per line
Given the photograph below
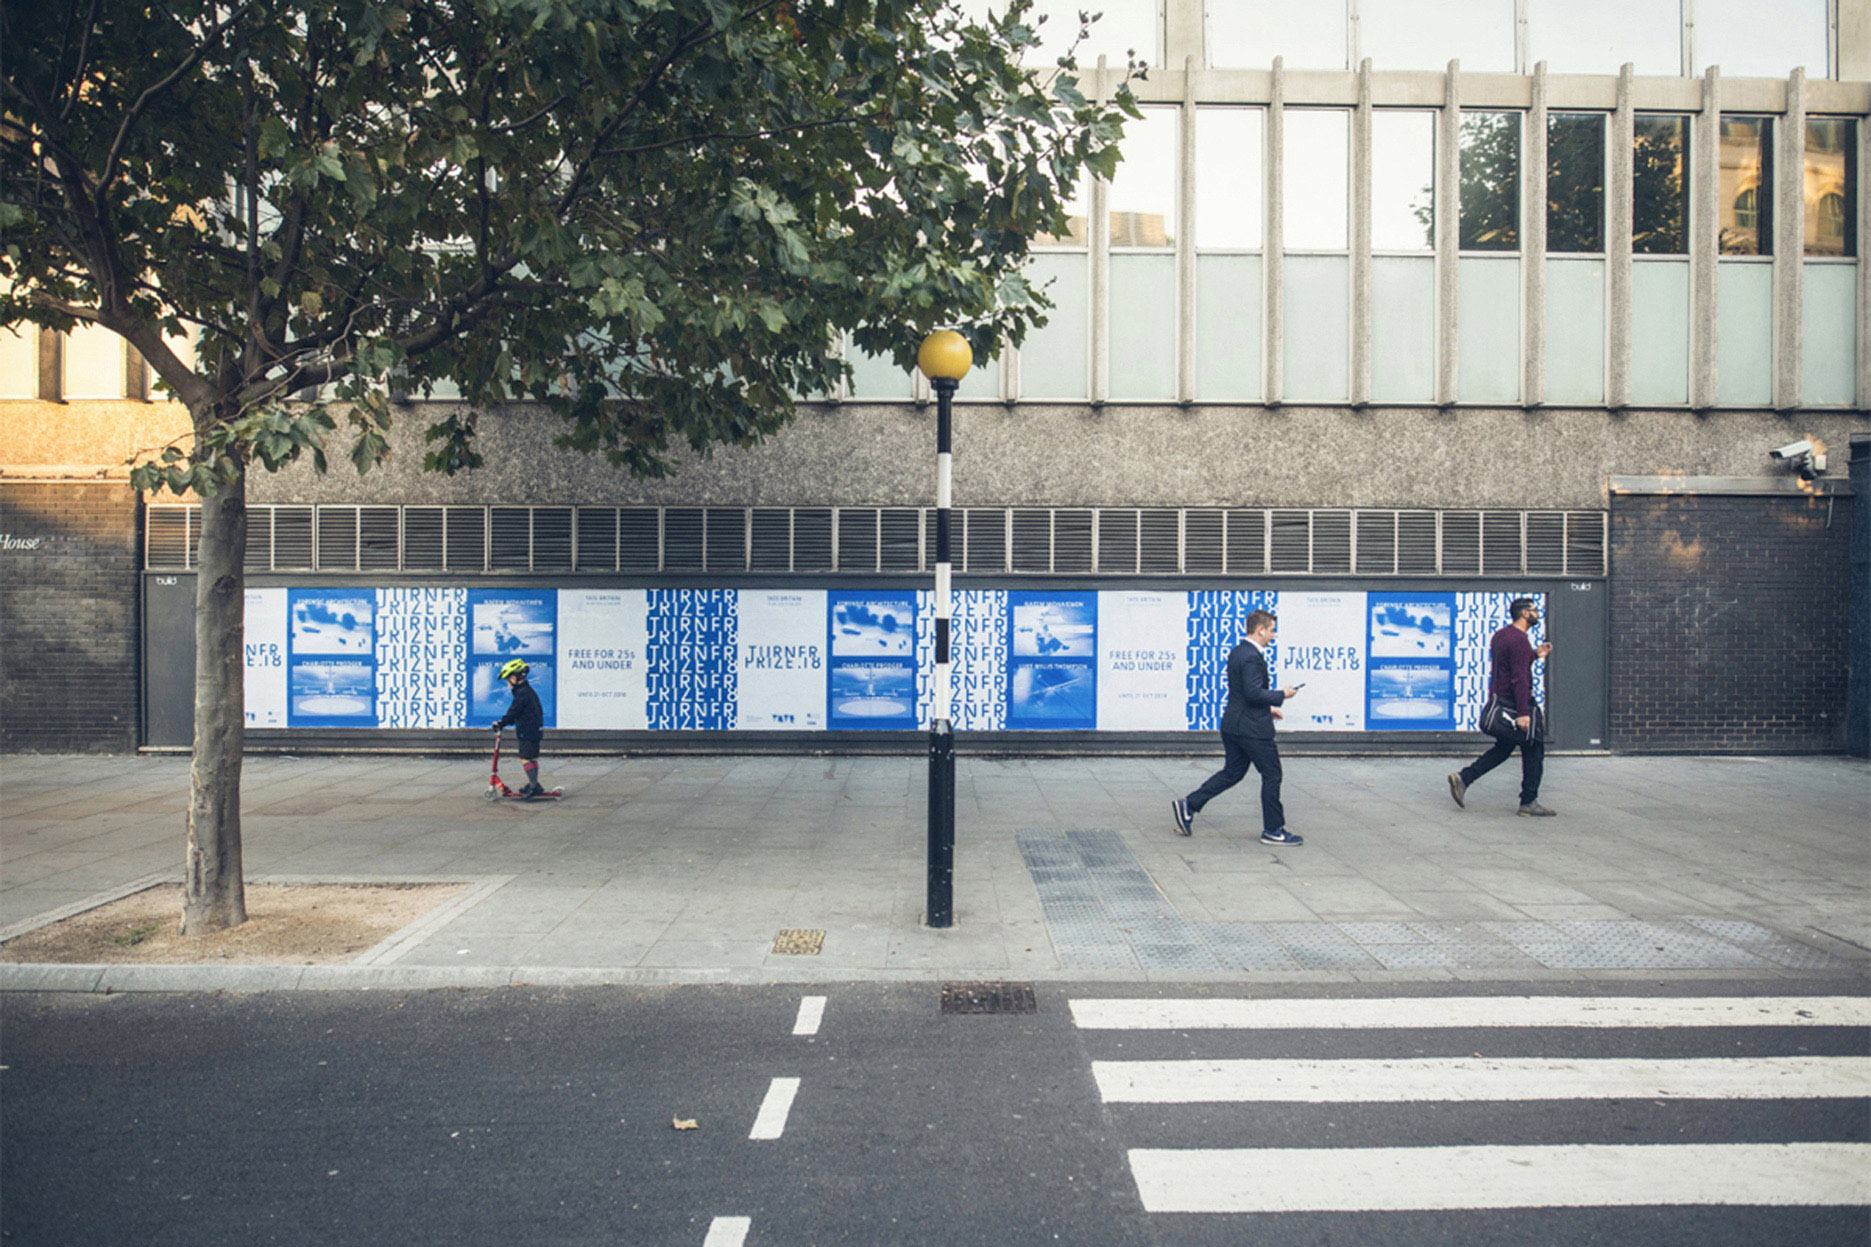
x,y
68,618
1729,623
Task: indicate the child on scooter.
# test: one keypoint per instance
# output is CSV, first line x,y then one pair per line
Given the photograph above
x,y
528,720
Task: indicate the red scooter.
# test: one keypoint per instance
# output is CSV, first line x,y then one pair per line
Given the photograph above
x,y
497,789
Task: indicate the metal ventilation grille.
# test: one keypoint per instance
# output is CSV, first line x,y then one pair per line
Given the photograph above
x,y
900,530
423,549
597,539
1072,541
337,539
552,539
1121,541
1117,541
639,539
771,540
682,539
1032,539
857,539
727,539
465,541
379,538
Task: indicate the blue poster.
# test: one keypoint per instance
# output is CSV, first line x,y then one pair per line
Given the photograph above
x,y
1052,661
331,666
1218,623
871,682
690,662
1410,662
504,624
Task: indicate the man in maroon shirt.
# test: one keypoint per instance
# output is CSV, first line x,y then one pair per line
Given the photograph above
x,y
1511,656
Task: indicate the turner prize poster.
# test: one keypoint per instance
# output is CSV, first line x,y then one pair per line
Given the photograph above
x,y
602,644
504,624
1322,646
781,674
422,657
1052,660
265,632
1411,685
1143,661
331,661
871,682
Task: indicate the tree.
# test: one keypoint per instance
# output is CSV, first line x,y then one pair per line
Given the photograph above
x,y
650,217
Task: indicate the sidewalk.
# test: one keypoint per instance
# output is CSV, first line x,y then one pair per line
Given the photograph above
x,y
686,869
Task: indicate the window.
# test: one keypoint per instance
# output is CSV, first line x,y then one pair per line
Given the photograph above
x,y
1745,193
1749,39
1316,191
1077,220
1660,185
1575,183
1831,186
1250,33
1228,184
1428,34
1143,198
1403,180
1124,28
1490,197
1601,36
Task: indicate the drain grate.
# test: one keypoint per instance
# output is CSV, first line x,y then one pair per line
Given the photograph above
x,y
988,998
800,943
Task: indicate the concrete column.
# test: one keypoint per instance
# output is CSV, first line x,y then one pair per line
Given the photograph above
x,y
1853,41
1864,243
1185,240
1533,249
51,366
1276,237
1100,242
1184,36
1448,233
1361,241
1705,246
1618,261
1790,246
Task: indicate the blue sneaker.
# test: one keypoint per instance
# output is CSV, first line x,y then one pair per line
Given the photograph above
x,y
1281,836
1179,809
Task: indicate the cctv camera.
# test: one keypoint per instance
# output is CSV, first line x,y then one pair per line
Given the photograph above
x,y
1792,450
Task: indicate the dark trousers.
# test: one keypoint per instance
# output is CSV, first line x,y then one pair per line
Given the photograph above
x,y
1243,752
1532,765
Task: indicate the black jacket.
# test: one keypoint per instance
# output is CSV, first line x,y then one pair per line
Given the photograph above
x,y
1250,700
525,714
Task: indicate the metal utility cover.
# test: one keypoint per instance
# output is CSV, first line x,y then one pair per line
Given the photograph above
x,y
988,998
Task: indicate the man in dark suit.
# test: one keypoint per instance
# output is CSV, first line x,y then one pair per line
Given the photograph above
x,y
1247,735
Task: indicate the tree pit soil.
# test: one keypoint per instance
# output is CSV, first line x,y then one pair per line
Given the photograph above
x,y
287,924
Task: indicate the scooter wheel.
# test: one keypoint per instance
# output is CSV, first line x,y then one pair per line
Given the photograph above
x,y
491,793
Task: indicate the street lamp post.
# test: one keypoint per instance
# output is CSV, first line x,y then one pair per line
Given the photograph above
x,y
944,358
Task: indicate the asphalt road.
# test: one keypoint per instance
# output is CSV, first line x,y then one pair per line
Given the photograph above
x,y
545,1117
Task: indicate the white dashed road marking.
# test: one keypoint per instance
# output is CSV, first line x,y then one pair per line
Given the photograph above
x,y
771,1121
811,1013
728,1231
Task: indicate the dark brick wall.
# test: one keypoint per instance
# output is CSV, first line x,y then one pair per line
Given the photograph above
x,y
1730,620
68,618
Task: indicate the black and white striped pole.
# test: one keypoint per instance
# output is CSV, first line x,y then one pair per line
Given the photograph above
x,y
944,358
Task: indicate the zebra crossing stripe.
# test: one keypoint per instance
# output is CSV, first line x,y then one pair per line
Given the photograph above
x,y
1401,1179
1463,1078
1445,1012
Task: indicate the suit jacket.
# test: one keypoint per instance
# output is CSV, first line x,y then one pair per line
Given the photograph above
x,y
1250,698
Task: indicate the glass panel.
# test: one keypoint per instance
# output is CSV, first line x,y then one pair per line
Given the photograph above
x,y
1575,183
94,363
1660,332
1403,180
1077,220
1142,201
1124,28
1490,218
1829,367
1318,328
1227,327
1488,350
1054,359
1660,185
1428,34
1600,36
1575,332
1749,39
1745,198
1744,312
1403,329
1228,186
877,376
1316,189
1250,33
19,361
1831,186
1143,326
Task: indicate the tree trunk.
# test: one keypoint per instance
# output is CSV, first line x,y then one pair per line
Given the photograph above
x,y
214,893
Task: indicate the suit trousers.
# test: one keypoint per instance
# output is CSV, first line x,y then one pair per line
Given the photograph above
x,y
1532,765
1241,753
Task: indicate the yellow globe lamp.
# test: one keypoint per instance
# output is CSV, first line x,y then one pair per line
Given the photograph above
x,y
944,356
